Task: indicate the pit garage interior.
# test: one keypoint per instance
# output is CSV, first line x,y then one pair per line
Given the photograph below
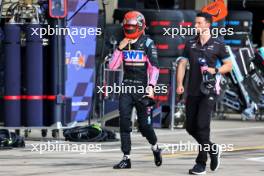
x,y
48,85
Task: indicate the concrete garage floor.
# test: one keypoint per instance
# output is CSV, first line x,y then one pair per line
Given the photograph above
x,y
246,159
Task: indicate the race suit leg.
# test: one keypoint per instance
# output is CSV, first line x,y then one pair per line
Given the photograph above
x,y
145,121
125,110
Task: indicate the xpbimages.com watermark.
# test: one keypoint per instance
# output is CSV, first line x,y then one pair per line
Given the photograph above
x,y
194,147
82,32
56,147
116,89
191,31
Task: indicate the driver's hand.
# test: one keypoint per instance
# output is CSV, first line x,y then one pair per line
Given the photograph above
x,y
123,43
150,91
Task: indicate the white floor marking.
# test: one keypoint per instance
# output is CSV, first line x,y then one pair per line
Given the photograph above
x,y
258,159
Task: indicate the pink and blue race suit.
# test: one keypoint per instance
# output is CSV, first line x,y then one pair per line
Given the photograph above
x,y
140,69
140,62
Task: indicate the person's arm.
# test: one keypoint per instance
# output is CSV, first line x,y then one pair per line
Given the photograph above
x,y
226,67
153,66
117,57
181,71
116,60
225,58
182,68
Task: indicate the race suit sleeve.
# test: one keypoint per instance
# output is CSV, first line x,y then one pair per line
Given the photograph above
x,y
153,66
116,60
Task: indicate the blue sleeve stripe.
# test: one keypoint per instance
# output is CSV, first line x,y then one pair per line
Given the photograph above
x,y
148,42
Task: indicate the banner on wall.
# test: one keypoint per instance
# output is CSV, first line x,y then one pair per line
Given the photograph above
x,y
80,57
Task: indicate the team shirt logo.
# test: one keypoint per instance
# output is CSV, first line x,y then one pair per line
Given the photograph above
x,y
133,55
